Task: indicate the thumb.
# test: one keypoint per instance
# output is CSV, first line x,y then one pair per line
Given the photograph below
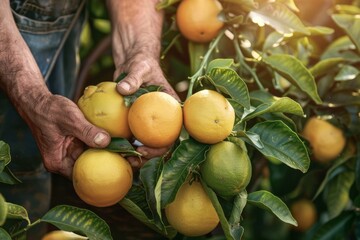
x,y
130,84
93,136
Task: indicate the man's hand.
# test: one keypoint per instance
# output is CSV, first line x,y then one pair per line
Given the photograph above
x,y
136,45
61,130
57,124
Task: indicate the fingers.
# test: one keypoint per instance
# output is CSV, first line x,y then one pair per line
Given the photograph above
x,y
90,134
142,73
148,152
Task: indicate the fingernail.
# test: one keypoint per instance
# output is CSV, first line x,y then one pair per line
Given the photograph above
x,y
144,153
125,86
99,138
135,163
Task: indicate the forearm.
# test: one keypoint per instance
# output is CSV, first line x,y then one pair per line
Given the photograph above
x,y
20,77
137,26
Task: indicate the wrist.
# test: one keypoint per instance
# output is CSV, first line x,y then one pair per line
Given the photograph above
x,y
135,32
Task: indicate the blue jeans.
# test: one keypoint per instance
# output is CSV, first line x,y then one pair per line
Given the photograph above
x,y
52,30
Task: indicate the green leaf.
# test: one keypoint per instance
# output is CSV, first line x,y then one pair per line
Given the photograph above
x,y
69,218
245,5
293,70
272,41
6,176
341,47
351,25
230,83
220,63
3,210
5,156
347,72
123,146
324,66
357,227
342,98
290,4
281,143
253,138
239,202
279,17
184,160
346,8
17,212
129,99
336,228
135,203
232,230
269,103
343,158
165,3
336,194
273,204
320,30
149,175
4,235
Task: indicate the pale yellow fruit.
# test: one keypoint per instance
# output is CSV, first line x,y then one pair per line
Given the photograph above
x,y
192,213
102,178
208,116
62,235
104,107
326,140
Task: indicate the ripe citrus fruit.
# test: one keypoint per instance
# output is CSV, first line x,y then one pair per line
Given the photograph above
x,y
198,20
326,140
208,116
155,119
305,213
101,178
104,107
226,169
62,235
192,213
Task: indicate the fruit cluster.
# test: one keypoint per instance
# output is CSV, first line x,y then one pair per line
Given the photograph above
x,y
156,119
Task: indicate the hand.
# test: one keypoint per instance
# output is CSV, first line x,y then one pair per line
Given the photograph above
x,y
136,45
142,71
61,130
147,154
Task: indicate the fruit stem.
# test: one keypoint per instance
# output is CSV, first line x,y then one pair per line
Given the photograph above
x,y
204,61
173,41
26,228
245,65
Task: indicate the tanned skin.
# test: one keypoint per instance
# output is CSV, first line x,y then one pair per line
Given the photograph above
x,y
59,127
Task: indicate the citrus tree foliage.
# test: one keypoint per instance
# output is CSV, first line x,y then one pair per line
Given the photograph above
x,y
276,70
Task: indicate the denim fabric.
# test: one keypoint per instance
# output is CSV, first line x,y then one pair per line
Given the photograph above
x,y
55,49
51,28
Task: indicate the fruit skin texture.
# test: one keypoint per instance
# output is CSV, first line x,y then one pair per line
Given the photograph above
x,y
156,119
101,178
326,140
104,107
62,235
208,116
192,213
305,213
226,169
197,19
